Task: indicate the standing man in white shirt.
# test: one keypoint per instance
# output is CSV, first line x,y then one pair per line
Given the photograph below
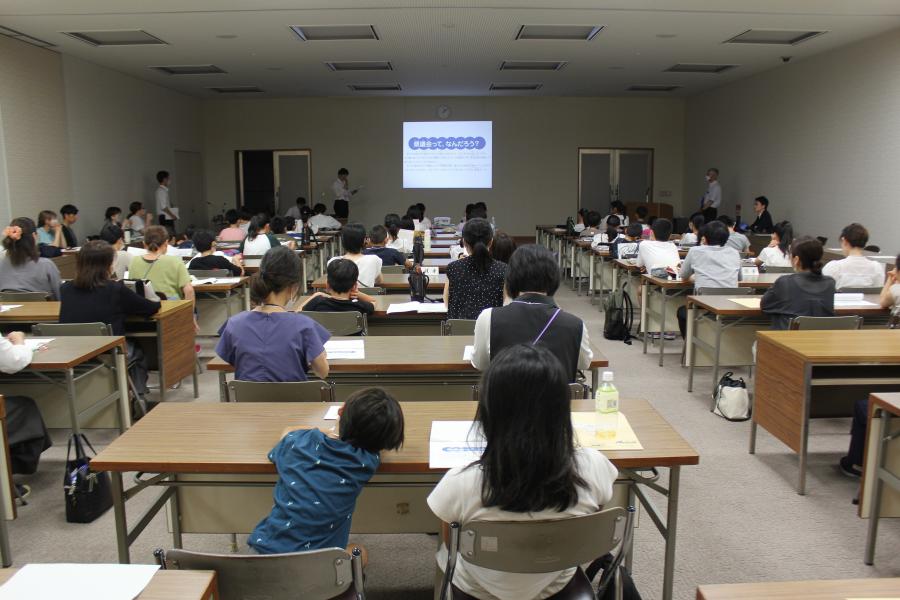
x,y
342,192
712,199
167,217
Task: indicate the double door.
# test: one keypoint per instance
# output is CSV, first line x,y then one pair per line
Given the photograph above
x,y
609,174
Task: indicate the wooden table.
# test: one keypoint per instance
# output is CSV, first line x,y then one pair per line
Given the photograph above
x,y
740,322
880,466
440,263
409,323
395,282
430,365
167,337
834,589
225,446
166,584
808,374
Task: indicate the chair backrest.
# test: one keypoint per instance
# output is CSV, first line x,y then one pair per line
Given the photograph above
x,y
392,269
872,248
275,391
341,323
772,269
205,273
577,391
820,323
312,575
708,291
373,291
859,290
458,327
24,296
69,329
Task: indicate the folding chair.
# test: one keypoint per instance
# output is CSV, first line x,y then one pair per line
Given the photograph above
x,y
393,269
373,291
779,269
458,327
824,323
341,323
271,391
577,391
860,290
206,273
24,296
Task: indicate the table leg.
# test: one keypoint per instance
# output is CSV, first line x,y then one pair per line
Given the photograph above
x,y
591,264
122,376
715,377
875,503
118,496
176,519
662,325
804,430
223,387
689,345
70,397
5,552
228,296
303,284
246,293
595,380
644,295
321,260
671,530
752,435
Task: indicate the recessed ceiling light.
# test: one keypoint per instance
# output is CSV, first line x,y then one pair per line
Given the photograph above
x,y
666,36
558,32
226,36
24,37
360,65
274,68
532,65
237,89
699,68
616,68
516,87
125,37
316,33
652,88
189,69
375,87
773,36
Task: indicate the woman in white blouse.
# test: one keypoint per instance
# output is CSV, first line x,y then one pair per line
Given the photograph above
x,y
778,252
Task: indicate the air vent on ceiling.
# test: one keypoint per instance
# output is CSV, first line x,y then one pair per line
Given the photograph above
x,y
125,37
237,89
699,68
360,65
652,88
316,33
532,65
773,36
558,32
375,87
189,69
516,87
24,37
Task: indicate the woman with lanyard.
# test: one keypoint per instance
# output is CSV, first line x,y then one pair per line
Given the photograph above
x,y
532,316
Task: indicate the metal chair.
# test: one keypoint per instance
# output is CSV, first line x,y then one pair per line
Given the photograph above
x,y
771,269
577,391
373,291
204,274
393,269
738,291
822,323
458,327
543,546
313,575
341,323
859,290
24,296
273,391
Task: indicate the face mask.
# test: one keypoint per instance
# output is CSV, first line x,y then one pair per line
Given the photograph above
x,y
706,177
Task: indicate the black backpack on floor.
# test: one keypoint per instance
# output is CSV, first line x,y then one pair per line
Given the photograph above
x,y
618,315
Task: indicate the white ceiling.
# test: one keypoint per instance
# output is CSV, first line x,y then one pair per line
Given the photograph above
x,y
447,48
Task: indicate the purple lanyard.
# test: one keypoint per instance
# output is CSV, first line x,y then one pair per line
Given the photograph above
x,y
546,327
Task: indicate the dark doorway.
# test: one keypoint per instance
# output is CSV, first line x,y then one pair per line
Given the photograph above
x,y
258,175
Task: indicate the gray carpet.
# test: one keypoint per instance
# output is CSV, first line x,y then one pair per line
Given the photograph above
x,y
740,519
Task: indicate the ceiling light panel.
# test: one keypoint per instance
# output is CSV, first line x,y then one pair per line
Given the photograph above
x,y
24,37
652,88
375,87
125,37
699,68
558,32
516,87
317,33
360,65
774,36
532,65
237,89
189,69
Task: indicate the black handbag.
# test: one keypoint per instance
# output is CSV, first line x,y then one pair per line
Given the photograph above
x,y
88,493
418,286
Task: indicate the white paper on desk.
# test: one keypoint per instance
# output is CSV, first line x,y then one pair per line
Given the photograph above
x,y
182,252
747,302
432,307
345,349
403,307
136,251
226,280
37,343
78,582
431,271
853,303
203,281
468,351
848,297
585,426
454,444
332,413
6,307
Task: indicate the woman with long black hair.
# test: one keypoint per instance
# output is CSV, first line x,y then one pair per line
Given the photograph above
x,y
476,281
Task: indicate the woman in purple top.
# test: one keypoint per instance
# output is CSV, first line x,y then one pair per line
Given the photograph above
x,y
270,342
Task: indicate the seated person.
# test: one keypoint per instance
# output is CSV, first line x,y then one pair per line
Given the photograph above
x,y
591,224
377,239
167,274
21,268
205,244
474,282
778,252
353,238
532,316
713,264
579,220
856,270
392,224
692,237
278,225
426,222
503,247
232,233
890,293
49,230
617,209
112,218
321,474
270,342
260,237
627,244
806,293
115,237
342,292
642,212
468,215
658,252
610,235
138,218
320,220
69,215
183,240
531,468
763,222
736,240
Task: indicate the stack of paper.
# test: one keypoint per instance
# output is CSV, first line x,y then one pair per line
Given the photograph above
x,y
332,413
585,424
78,582
851,300
136,251
6,307
345,349
454,444
417,307
468,351
747,302
37,343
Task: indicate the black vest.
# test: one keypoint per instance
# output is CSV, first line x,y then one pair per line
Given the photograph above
x,y
524,318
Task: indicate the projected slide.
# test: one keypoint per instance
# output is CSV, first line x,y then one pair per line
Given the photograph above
x,y
447,154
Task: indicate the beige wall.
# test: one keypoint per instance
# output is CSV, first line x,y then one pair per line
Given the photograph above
x,y
820,138
536,143
33,128
121,132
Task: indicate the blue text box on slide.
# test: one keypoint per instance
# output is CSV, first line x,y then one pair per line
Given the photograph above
x,y
447,154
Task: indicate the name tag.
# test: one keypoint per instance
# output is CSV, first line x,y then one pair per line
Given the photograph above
x,y
431,271
749,273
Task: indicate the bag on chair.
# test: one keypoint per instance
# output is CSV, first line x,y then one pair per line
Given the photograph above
x,y
88,493
732,398
618,316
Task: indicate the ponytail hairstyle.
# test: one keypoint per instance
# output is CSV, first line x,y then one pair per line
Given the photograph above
x,y
279,270
477,234
257,224
155,237
785,232
808,252
612,227
19,242
392,224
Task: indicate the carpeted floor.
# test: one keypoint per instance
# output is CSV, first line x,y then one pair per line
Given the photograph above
x,y
740,519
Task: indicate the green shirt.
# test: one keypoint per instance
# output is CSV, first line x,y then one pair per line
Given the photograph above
x,y
167,274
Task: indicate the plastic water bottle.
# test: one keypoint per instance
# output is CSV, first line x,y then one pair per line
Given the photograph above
x,y
493,223
427,239
606,403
